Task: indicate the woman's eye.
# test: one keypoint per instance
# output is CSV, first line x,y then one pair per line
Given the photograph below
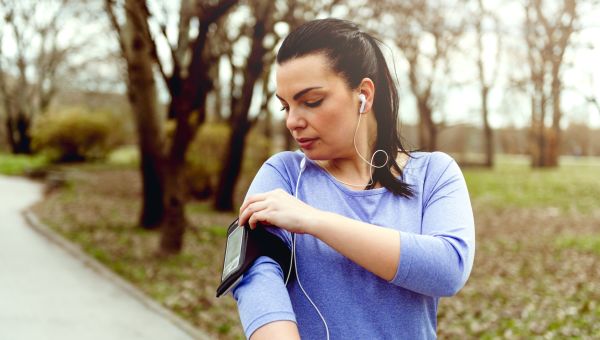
x,y
314,104
284,108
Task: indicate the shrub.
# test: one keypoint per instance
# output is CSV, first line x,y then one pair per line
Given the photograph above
x,y
206,152
204,157
74,135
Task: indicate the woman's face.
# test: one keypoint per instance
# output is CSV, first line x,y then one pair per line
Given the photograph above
x,y
321,111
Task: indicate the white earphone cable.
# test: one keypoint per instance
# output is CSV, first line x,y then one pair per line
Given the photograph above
x,y
371,165
387,158
293,259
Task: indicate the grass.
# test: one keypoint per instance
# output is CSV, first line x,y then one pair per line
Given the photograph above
x,y
513,184
586,243
98,211
20,164
536,271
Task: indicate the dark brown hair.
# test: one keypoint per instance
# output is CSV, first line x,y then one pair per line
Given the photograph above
x,y
354,55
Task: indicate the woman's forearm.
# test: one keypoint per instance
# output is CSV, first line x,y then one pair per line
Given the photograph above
x,y
375,248
277,330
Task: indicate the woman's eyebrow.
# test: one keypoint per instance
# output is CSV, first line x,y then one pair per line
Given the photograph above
x,y
301,93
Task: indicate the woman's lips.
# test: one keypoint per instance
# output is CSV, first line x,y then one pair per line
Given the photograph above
x,y
306,143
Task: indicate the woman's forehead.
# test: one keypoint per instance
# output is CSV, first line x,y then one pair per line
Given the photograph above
x,y
299,73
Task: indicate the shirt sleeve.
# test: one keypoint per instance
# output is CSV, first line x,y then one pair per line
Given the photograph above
x,y
261,295
438,261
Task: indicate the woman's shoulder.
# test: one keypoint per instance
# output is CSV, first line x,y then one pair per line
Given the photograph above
x,y
430,167
286,161
430,161
285,158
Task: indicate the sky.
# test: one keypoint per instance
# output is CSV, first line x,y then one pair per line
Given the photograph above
x,y
460,104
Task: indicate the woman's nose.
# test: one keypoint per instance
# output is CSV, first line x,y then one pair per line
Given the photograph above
x,y
294,120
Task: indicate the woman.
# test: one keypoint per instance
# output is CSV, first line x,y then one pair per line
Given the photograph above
x,y
378,234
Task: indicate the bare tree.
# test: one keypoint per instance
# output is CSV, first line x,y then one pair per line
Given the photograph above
x,y
188,85
592,100
418,21
31,70
486,82
241,124
138,52
591,97
256,70
548,30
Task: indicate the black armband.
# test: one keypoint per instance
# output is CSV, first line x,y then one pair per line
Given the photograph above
x,y
243,247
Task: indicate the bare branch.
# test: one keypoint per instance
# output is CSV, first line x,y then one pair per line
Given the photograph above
x,y
163,31
108,5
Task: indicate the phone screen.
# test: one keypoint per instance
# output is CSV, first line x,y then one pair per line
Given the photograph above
x,y
232,252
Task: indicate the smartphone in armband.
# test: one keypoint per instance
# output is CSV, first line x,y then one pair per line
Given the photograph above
x,y
243,247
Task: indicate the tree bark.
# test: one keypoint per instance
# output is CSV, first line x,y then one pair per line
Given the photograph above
x,y
487,130
234,156
188,107
23,141
427,127
188,86
485,85
174,222
545,61
554,131
142,96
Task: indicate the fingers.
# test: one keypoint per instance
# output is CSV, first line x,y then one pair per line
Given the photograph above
x,y
258,217
250,211
255,207
251,199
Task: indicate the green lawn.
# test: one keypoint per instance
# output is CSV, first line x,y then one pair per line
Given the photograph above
x,y
19,164
573,187
536,271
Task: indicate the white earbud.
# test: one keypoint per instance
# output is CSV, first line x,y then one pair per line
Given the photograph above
x,y
363,102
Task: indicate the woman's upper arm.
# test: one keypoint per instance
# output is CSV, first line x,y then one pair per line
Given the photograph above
x,y
438,261
261,295
277,330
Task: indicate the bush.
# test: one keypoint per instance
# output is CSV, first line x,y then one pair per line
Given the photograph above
x,y
206,152
74,135
204,157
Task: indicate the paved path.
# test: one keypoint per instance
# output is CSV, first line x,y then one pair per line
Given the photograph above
x,y
47,293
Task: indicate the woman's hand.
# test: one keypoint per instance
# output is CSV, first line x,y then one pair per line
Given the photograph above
x,y
277,208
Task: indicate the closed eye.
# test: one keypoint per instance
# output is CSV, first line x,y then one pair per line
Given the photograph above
x,y
314,104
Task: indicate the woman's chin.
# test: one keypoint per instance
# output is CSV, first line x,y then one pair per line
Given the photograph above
x,y
310,154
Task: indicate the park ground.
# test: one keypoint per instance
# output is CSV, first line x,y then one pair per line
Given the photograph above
x,y
536,271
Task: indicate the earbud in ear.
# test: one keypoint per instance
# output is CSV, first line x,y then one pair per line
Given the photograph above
x,y
363,102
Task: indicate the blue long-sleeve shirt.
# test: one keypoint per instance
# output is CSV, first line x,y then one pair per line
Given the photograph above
x,y
437,246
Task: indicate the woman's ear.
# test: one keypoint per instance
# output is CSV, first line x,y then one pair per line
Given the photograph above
x,y
367,89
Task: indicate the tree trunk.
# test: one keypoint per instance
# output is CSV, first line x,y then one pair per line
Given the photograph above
x,y
538,127
554,131
232,166
542,135
9,131
142,96
152,191
241,125
23,141
174,222
188,107
427,128
188,92
487,130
